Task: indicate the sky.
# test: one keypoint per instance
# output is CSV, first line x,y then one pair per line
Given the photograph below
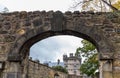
x,y
52,48
33,5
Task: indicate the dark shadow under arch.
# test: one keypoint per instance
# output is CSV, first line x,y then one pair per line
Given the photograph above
x,y
26,46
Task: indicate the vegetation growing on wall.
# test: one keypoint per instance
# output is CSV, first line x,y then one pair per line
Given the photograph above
x,y
60,68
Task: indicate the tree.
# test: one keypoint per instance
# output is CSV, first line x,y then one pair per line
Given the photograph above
x,y
117,5
3,9
60,68
89,52
90,66
95,5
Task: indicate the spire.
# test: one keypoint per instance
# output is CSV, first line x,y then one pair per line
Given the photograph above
x,y
58,61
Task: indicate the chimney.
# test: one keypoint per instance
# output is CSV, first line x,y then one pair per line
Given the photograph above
x,y
64,57
58,61
30,58
71,54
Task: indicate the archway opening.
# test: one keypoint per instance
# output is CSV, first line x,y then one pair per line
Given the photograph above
x,y
25,50
54,47
51,52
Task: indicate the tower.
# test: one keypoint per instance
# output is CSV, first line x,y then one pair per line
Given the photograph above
x,y
65,57
72,64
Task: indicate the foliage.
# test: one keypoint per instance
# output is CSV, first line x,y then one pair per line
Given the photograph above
x,y
3,9
96,5
90,66
92,5
89,52
117,5
60,68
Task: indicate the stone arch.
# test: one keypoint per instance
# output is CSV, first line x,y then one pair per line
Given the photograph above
x,y
37,24
24,42
21,29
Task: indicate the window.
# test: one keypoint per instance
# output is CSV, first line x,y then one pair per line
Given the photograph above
x,y
75,66
65,60
74,71
66,66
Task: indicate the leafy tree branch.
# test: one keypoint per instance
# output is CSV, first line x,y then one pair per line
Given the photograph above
x,y
89,52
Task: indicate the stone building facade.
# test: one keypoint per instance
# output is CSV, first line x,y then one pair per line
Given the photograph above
x,y
20,30
72,64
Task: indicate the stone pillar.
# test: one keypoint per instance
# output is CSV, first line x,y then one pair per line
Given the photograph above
x,y
101,69
12,70
116,64
13,66
116,68
106,69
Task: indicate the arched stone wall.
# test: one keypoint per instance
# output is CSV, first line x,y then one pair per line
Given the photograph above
x,y
19,30
38,23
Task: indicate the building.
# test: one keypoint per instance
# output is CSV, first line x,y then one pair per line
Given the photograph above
x,y
51,64
72,64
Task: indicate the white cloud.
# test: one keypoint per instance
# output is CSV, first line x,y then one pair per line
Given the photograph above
x,y
31,5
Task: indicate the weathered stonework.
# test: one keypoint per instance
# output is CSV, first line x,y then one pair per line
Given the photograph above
x,y
20,30
37,70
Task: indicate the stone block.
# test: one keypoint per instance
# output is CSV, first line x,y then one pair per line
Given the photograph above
x,y
106,56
